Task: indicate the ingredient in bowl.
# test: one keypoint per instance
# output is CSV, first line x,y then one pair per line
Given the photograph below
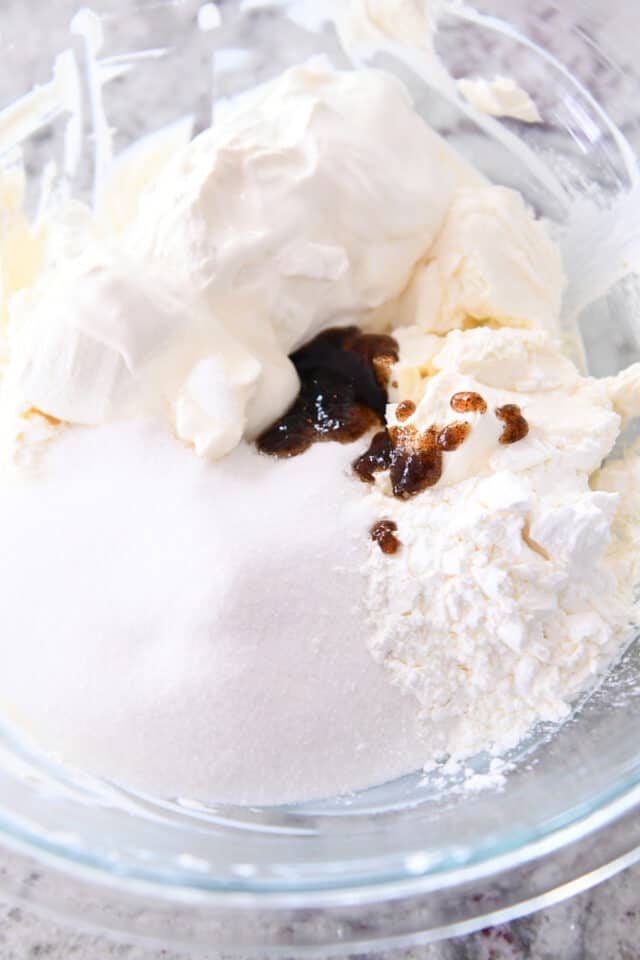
x,y
343,374
500,97
227,608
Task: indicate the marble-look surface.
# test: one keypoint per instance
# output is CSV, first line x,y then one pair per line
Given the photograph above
x,y
601,924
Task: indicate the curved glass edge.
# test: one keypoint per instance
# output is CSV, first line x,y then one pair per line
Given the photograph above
x,y
381,886
315,882
401,918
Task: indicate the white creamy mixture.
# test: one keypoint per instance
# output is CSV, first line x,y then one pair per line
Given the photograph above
x,y
500,97
293,210
197,618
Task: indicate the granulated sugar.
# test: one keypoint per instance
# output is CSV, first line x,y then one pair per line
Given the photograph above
x,y
193,628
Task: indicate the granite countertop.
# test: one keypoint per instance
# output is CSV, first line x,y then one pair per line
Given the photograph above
x,y
601,924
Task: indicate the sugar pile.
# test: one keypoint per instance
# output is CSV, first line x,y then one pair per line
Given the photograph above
x,y
197,628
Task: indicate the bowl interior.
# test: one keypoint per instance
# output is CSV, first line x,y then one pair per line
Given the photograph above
x,y
421,824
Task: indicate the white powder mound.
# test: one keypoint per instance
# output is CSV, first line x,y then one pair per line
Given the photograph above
x,y
197,629
514,585
492,627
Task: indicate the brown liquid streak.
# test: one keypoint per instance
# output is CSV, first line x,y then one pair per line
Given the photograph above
x,y
343,374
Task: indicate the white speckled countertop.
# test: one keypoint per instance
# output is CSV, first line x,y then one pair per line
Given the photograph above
x,y
601,924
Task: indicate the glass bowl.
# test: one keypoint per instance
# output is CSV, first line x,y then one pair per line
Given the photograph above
x,y
424,857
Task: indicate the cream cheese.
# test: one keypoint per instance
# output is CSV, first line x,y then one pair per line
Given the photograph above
x,y
21,246
491,262
500,97
288,216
